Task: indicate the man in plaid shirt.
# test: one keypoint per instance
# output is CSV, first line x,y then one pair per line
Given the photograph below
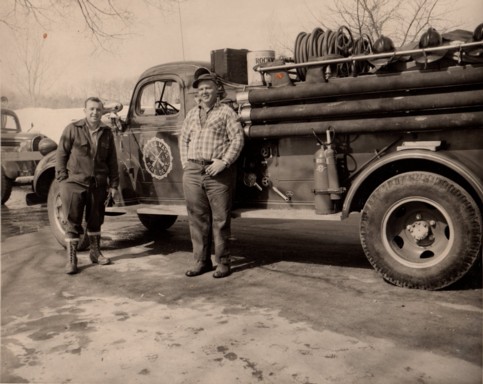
x,y
211,141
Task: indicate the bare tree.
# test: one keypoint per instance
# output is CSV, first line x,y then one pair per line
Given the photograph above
x,y
31,68
105,20
27,60
47,13
403,21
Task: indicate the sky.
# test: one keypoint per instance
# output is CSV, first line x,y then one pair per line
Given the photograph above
x,y
187,30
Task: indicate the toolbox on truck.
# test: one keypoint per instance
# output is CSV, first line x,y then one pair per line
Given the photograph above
x,y
230,64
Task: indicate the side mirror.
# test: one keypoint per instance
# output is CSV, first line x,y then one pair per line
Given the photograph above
x,y
111,109
116,122
112,106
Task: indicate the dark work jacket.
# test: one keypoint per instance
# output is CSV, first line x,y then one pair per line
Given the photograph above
x,y
78,161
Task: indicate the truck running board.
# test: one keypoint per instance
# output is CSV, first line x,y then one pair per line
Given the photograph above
x,y
286,214
255,213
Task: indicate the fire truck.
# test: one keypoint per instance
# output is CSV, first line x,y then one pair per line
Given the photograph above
x,y
403,148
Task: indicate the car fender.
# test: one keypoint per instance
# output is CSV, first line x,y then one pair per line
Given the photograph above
x,y
44,174
11,169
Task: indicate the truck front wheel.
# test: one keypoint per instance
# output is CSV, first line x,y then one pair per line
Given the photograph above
x,y
57,218
7,185
157,222
421,230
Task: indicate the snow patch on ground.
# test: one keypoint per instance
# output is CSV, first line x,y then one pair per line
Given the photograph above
x,y
50,122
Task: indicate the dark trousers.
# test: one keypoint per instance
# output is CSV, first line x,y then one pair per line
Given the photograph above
x,y
77,199
209,200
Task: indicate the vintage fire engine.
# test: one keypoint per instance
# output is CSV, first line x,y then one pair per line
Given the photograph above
x,y
404,148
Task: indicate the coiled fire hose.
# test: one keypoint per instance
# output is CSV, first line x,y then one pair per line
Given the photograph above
x,y
320,44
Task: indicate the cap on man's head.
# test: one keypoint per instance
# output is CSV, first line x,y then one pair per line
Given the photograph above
x,y
205,76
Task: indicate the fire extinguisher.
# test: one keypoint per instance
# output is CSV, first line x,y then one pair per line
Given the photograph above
x,y
333,177
323,203
326,179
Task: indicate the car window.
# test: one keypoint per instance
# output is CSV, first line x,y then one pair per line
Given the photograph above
x,y
9,124
159,98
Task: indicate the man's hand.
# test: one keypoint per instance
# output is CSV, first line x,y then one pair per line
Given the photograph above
x,y
61,176
114,193
113,196
215,168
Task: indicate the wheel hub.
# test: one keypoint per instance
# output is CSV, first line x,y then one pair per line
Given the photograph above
x,y
419,230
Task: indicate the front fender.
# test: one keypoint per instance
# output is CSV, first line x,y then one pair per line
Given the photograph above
x,y
461,165
11,169
44,174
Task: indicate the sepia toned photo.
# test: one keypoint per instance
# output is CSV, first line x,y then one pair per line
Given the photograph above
x,y
246,192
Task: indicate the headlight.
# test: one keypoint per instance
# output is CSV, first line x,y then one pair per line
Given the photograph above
x,y
47,145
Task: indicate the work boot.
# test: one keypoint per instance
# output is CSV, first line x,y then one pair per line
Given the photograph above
x,y
223,268
71,266
95,251
200,268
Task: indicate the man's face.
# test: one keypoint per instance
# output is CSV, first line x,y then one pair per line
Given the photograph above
x,y
207,92
93,111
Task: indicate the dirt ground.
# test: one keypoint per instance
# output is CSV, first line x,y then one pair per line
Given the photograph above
x,y
302,306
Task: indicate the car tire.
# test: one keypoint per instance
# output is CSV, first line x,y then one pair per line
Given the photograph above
x,y
421,230
7,185
57,219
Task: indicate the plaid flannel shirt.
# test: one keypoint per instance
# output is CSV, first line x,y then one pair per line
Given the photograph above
x,y
221,137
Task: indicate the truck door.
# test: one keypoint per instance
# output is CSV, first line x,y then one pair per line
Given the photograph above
x,y
156,115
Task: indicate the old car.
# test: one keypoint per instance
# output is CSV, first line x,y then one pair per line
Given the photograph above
x,y
21,152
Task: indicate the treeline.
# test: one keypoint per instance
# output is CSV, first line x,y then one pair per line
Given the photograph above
x,y
72,96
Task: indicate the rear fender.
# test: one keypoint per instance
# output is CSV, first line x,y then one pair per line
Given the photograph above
x,y
457,167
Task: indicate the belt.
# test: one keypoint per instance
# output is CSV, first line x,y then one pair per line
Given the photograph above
x,y
201,162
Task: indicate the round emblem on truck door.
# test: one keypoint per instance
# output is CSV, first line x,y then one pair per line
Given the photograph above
x,y
157,158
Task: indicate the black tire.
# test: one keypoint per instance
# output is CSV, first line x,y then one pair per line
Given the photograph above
x,y
7,185
57,219
157,222
421,230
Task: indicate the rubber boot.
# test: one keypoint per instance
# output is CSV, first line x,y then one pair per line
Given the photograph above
x,y
71,266
95,251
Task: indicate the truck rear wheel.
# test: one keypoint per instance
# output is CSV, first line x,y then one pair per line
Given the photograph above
x,y
421,230
157,222
57,218
7,185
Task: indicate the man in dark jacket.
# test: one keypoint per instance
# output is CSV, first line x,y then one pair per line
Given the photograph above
x,y
86,168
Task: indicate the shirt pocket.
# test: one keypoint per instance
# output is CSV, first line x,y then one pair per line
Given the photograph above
x,y
218,125
82,147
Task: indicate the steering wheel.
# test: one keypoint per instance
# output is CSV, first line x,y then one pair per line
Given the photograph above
x,y
165,108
